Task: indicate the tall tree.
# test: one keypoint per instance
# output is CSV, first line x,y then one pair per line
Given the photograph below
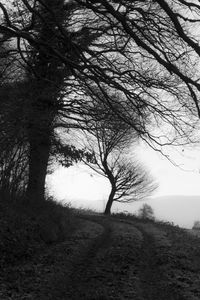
x,y
44,77
45,82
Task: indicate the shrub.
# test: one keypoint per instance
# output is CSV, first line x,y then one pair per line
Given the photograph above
x,y
146,212
19,237
56,221
196,225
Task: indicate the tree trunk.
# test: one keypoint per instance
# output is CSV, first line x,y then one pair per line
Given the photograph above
x,y
40,144
109,202
44,92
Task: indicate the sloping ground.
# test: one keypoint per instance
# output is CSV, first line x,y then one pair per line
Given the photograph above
x,y
111,258
169,263
40,277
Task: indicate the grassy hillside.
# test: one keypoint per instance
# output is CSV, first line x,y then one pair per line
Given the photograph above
x,y
53,253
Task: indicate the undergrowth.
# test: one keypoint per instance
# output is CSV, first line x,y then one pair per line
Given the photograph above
x,y
26,230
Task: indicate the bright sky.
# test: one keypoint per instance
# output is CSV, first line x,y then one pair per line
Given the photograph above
x,y
173,180
82,188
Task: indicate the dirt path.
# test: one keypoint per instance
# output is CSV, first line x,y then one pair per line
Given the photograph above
x,y
75,284
152,282
153,279
169,266
112,259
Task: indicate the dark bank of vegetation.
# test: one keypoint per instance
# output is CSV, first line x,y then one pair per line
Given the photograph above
x,y
25,230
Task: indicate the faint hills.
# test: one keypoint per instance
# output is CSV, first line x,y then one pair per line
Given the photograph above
x,y
180,209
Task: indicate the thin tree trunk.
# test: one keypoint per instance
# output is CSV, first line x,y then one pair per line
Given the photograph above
x,y
109,202
111,178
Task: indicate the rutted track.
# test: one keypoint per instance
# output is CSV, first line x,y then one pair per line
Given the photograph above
x,y
168,263
71,283
153,280
82,272
112,258
106,269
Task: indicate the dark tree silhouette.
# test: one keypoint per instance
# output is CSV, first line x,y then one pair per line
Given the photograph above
x,y
146,52
43,81
13,143
109,143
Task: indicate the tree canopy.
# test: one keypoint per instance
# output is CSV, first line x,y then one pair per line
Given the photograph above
x,y
146,51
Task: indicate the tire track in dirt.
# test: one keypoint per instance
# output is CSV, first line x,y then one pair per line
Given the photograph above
x,y
50,275
107,269
129,260
154,283
75,284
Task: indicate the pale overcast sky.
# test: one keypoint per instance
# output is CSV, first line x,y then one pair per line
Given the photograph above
x,y
82,188
81,182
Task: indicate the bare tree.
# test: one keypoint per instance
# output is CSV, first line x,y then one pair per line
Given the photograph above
x,y
13,143
109,143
